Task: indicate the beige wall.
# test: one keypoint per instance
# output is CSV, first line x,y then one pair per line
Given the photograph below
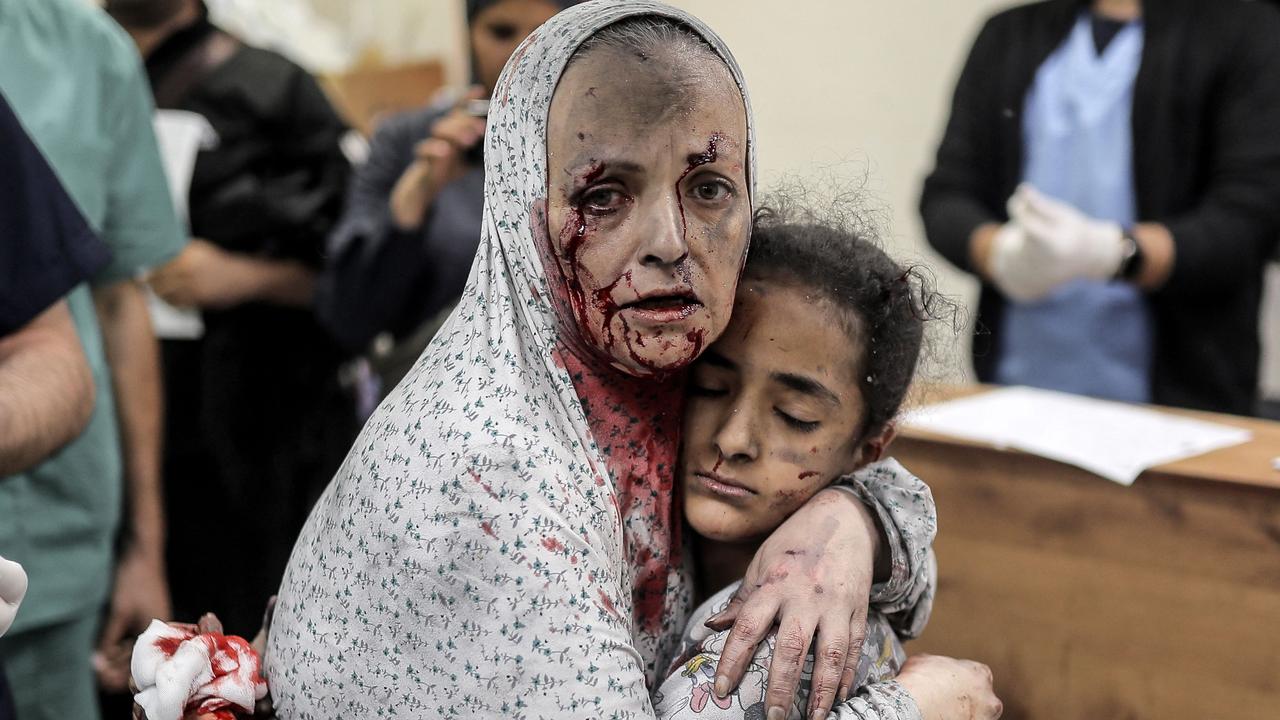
x,y
855,89
858,90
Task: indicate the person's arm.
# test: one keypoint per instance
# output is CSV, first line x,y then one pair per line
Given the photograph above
x,y
817,585
46,250
141,592
142,229
380,248
306,136
46,389
206,276
954,203
371,263
928,688
1235,223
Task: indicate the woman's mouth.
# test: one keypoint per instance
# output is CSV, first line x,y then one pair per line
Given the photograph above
x,y
663,307
720,485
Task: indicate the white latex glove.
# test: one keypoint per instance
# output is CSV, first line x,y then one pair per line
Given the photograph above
x,y
1047,243
13,585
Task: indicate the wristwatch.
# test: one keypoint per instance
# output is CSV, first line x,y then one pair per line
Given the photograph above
x,y
1132,259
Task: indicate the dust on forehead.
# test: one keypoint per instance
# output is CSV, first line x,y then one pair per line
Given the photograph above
x,y
652,66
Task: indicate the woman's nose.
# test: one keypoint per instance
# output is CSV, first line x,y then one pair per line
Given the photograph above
x,y
736,440
664,241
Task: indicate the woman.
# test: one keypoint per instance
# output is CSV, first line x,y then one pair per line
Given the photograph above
x,y
399,258
502,538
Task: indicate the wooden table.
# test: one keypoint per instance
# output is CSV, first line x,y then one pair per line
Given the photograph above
x,y
1095,601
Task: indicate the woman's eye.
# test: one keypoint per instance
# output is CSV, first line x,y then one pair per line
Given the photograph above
x,y
704,391
797,424
602,200
502,32
712,191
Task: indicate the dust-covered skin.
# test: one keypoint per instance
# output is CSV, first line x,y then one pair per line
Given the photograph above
x,y
648,203
775,413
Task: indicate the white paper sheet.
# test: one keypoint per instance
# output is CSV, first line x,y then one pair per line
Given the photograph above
x,y
1113,440
181,136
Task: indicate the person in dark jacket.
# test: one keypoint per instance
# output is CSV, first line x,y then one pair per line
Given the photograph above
x,y
256,421
1111,170
401,254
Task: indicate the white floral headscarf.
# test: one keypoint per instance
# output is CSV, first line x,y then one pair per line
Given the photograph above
x,y
468,559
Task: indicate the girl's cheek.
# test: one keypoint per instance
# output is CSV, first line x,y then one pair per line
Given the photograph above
x,y
788,499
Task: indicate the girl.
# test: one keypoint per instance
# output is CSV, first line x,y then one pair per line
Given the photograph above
x,y
800,391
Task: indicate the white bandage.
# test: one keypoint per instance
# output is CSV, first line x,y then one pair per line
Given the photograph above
x,y
177,669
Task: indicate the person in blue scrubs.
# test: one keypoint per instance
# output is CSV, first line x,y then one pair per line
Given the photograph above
x,y
1111,170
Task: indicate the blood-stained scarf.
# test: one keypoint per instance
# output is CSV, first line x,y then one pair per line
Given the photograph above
x,y
490,547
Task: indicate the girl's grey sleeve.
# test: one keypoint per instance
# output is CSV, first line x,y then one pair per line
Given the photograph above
x,y
906,512
882,701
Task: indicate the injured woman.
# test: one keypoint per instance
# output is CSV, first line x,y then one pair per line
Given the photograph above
x,y
505,538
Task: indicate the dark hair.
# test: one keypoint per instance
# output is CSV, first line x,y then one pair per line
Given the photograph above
x,y
884,305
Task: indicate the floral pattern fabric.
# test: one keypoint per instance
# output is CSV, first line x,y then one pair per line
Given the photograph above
x,y
492,547
687,694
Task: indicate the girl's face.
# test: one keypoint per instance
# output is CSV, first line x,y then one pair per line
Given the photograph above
x,y
648,212
499,29
774,414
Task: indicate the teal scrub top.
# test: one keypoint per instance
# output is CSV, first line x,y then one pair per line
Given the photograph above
x,y
76,82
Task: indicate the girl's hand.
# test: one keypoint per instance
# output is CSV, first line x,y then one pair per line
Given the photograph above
x,y
949,689
812,576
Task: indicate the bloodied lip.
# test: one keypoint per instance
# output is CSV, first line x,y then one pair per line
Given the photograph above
x,y
664,307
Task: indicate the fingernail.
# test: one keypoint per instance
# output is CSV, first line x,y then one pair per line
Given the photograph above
x,y
818,714
722,686
777,713
842,695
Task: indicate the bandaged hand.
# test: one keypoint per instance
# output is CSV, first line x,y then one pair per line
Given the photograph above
x,y
1048,243
13,585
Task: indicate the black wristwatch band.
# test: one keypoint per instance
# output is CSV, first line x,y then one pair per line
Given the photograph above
x,y
1132,261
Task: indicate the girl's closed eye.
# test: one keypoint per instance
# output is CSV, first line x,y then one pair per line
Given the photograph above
x,y
795,423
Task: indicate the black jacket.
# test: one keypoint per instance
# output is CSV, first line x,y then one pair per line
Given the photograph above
x,y
1206,154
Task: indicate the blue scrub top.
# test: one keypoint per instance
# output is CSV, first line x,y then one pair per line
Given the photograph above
x,y
1088,337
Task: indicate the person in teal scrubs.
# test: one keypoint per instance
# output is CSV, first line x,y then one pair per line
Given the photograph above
x,y
76,83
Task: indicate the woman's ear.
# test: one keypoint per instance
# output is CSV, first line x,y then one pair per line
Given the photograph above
x,y
873,448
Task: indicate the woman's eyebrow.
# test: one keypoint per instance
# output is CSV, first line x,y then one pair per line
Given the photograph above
x,y
597,164
806,385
